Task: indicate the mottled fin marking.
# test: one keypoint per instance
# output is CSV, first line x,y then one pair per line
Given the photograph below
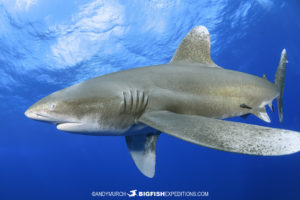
x,y
224,135
142,149
195,48
279,82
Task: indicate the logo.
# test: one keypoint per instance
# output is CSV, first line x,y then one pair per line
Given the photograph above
x,y
132,193
136,193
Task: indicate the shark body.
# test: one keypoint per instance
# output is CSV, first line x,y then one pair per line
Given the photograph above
x,y
185,98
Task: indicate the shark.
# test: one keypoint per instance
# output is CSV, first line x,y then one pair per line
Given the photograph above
x,y
187,98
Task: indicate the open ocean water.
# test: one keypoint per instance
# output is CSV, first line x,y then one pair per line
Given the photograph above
x,y
46,45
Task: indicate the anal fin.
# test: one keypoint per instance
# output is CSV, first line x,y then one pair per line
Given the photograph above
x,y
258,112
142,149
261,114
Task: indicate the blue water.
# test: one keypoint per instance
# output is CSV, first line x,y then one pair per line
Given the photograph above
x,y
51,44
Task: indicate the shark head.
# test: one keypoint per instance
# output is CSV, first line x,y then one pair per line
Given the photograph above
x,y
79,109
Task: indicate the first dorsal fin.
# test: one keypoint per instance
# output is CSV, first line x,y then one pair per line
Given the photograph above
x,y
195,48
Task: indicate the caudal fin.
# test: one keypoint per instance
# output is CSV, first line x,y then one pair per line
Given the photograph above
x,y
279,82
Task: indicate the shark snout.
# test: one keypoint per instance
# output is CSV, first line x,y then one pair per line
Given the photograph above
x,y
35,113
39,115
30,113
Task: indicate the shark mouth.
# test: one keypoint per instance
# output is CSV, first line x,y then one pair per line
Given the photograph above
x,y
63,124
87,126
46,118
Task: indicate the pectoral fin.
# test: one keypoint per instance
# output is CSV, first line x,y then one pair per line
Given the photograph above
x,y
142,149
225,135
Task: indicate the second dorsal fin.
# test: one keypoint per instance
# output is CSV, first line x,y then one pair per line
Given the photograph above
x,y
195,48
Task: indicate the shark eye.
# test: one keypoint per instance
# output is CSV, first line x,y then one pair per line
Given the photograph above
x,y
52,106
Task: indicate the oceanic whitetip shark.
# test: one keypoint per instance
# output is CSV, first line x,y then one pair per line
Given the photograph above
x,y
185,98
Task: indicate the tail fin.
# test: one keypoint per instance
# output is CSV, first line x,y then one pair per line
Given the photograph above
x,y
279,81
